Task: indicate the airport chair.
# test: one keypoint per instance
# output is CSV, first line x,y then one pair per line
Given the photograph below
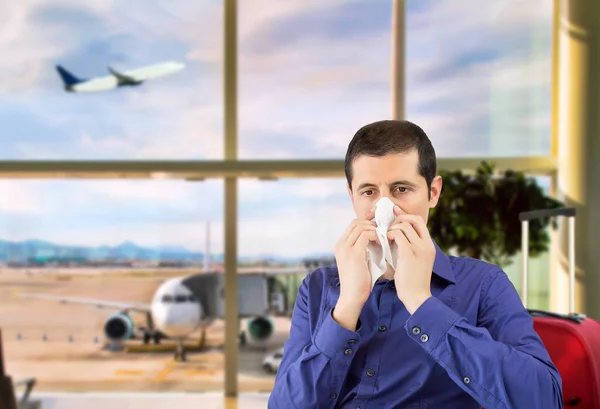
x,y
24,402
8,398
7,393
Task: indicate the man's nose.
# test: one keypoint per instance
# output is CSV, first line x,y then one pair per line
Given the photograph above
x,y
387,196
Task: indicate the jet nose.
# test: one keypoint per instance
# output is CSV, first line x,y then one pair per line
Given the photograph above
x,y
175,321
166,319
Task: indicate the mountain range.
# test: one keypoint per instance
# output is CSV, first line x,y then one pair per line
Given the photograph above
x,y
38,249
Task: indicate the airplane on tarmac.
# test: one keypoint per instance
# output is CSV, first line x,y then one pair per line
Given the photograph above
x,y
183,305
117,79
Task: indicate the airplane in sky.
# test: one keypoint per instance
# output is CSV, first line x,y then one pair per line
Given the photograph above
x,y
117,79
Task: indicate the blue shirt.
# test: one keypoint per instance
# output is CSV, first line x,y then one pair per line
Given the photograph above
x,y
470,345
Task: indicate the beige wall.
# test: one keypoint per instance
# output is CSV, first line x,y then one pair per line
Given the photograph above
x,y
579,153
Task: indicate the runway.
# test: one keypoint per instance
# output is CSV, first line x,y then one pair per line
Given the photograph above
x,y
82,365
61,345
207,400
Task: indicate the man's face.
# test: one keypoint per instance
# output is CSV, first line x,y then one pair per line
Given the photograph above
x,y
395,176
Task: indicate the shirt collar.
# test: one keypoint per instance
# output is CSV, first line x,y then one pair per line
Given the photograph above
x,y
442,266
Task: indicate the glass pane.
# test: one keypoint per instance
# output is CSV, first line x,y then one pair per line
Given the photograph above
x,y
119,243
311,73
481,86
539,267
274,207
287,228
172,114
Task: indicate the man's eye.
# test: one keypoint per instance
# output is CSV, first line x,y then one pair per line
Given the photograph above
x,y
367,192
402,189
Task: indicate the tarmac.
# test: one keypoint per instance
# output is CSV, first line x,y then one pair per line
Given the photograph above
x,y
62,346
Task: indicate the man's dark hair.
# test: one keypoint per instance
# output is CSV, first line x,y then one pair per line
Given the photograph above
x,y
392,136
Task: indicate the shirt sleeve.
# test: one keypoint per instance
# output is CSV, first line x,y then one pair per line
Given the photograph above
x,y
314,364
502,362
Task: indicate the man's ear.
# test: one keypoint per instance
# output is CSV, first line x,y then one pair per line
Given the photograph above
x,y
435,191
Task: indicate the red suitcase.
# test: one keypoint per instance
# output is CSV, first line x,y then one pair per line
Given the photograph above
x,y
572,340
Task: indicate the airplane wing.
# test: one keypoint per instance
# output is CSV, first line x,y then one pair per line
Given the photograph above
x,y
122,77
143,308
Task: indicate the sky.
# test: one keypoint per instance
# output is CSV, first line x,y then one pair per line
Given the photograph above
x,y
310,74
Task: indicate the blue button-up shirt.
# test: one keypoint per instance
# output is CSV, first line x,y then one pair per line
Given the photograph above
x,y
471,344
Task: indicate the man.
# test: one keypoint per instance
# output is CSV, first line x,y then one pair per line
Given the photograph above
x,y
435,331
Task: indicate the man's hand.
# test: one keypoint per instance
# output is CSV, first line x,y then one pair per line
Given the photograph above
x,y
416,255
353,270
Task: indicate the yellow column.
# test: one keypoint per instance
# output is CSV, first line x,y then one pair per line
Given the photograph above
x,y
232,320
398,60
578,124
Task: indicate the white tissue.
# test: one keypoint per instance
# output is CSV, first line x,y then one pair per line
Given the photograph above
x,y
379,256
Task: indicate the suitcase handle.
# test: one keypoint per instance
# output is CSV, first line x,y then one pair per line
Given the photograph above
x,y
576,318
525,218
540,214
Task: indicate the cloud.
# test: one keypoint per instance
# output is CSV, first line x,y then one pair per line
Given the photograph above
x,y
258,198
24,45
295,231
337,21
19,199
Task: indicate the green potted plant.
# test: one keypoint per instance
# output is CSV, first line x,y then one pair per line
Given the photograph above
x,y
478,214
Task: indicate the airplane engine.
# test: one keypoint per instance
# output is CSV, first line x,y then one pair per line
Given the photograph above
x,y
260,328
118,327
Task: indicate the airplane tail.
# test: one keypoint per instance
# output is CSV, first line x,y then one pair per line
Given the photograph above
x,y
67,78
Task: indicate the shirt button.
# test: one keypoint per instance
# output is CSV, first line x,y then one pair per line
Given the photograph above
x,y
382,328
347,352
333,396
352,341
370,372
416,330
424,338
467,379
